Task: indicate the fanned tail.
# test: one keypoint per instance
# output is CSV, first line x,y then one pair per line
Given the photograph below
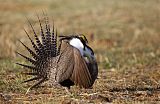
x,y
43,51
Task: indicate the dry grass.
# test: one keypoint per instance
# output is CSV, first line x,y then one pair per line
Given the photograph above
x,y
124,34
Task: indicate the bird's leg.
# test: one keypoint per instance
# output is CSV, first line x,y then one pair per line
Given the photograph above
x,y
68,91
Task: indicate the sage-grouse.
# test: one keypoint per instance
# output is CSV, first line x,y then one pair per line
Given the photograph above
x,y
66,61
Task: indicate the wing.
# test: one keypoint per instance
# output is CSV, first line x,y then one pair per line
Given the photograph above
x,y
65,62
71,65
81,75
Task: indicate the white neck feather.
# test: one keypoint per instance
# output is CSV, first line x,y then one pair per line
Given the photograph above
x,y
75,42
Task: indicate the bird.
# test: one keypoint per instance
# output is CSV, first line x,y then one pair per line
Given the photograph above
x,y
63,60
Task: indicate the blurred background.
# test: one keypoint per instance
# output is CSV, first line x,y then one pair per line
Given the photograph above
x,y
125,34
125,30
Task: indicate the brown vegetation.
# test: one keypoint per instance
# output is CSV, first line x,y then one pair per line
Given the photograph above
x,y
126,42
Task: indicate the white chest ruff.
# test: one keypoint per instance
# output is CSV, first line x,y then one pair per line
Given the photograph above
x,y
77,44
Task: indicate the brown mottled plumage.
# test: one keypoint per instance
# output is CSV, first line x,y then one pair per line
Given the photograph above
x,y
58,64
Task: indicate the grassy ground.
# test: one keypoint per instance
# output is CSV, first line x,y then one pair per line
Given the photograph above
x,y
124,34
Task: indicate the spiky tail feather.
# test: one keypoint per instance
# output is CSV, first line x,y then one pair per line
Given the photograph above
x,y
44,51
